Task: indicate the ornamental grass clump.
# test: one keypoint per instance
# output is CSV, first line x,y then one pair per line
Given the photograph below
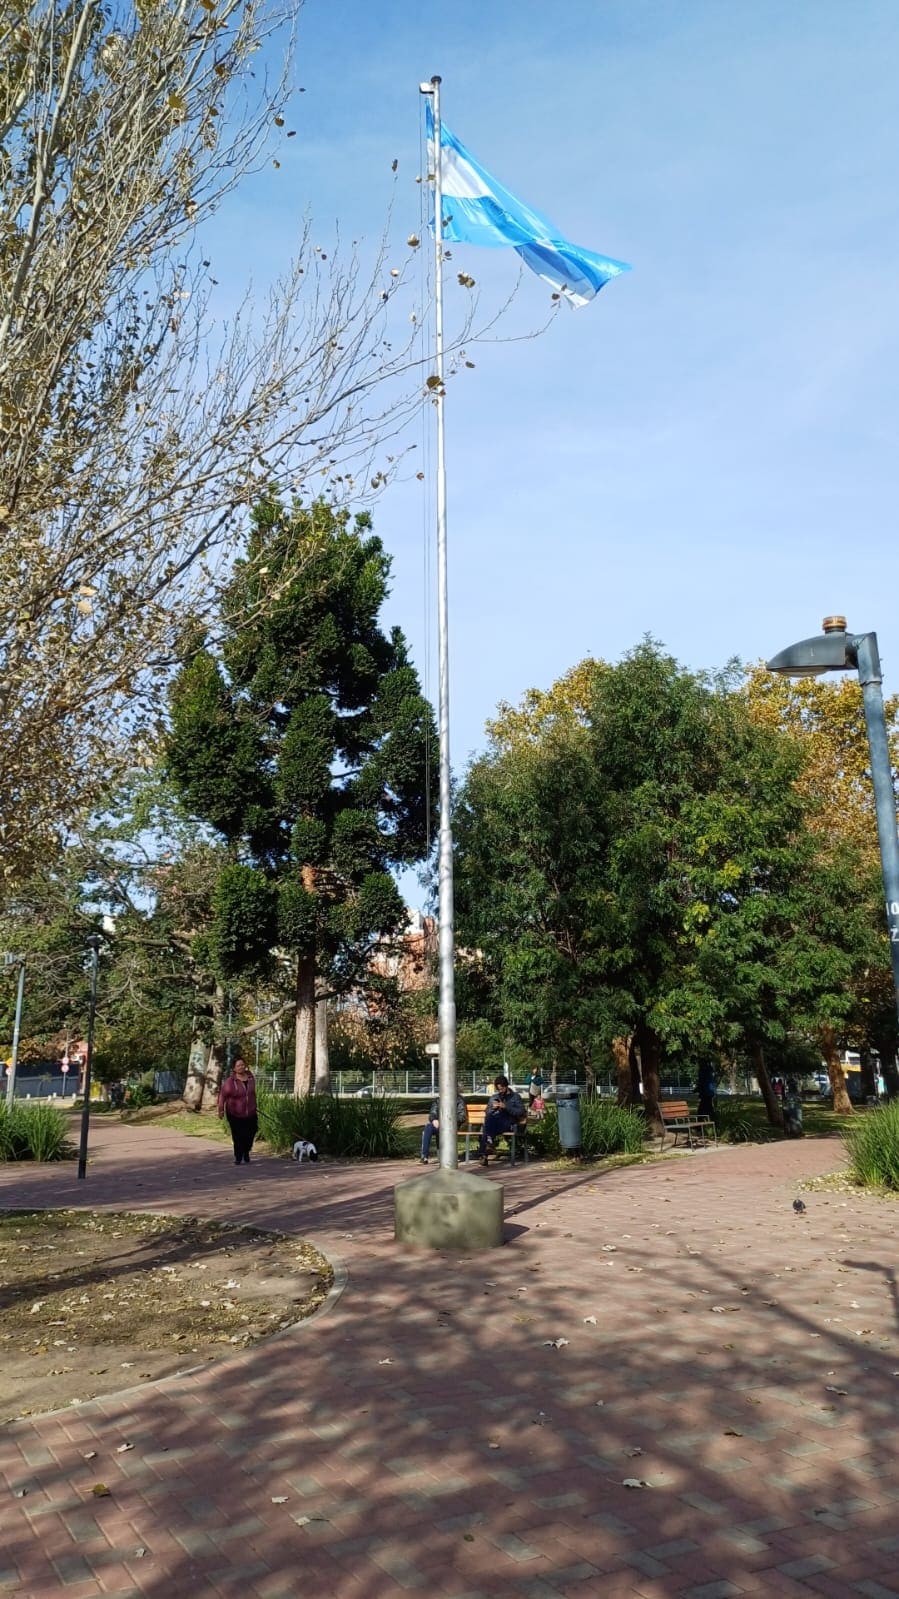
x,y
872,1142
735,1126
367,1129
32,1132
608,1129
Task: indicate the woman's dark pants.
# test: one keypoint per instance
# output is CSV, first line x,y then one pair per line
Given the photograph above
x,y
243,1131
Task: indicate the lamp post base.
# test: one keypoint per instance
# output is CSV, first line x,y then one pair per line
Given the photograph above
x,y
449,1210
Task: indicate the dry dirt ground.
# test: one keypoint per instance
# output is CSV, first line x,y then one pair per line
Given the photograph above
x,y
93,1302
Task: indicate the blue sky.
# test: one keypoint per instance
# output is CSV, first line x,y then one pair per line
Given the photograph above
x,y
707,452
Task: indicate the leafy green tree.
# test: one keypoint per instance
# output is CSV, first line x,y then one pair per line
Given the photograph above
x,y
644,869
305,744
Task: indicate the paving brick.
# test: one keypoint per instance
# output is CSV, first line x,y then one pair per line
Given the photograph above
x,y
808,1566
392,1485
714,1590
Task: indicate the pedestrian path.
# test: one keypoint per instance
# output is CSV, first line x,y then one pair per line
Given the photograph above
x,y
467,1426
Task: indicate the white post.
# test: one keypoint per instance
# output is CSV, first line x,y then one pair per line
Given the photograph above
x,y
448,1094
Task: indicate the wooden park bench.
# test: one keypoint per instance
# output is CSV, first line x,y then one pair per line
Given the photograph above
x,y
677,1118
477,1110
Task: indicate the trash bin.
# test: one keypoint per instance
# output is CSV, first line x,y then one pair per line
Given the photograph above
x,y
569,1113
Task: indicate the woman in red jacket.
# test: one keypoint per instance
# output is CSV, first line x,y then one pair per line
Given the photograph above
x,y
237,1101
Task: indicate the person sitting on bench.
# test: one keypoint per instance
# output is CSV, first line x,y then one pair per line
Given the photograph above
x,y
432,1125
505,1109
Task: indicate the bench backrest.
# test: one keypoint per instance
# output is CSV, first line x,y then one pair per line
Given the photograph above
x,y
674,1110
477,1110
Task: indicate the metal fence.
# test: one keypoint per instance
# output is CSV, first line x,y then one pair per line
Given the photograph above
x,y
48,1085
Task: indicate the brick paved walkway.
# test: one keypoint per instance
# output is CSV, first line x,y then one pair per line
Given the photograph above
x,y
426,1437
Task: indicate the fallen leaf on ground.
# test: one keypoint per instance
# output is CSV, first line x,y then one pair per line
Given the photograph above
x,y
123,1449
100,1490
634,1482
732,1432
590,1321
554,1343
279,1499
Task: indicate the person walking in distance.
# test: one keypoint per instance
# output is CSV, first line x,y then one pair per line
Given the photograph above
x,y
237,1101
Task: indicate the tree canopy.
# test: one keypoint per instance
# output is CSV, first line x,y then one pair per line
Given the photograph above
x,y
307,745
641,863
135,433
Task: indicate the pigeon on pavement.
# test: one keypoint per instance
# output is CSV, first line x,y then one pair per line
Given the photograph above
x,y
799,1206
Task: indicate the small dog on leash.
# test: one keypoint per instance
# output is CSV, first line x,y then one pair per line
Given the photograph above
x,y
303,1150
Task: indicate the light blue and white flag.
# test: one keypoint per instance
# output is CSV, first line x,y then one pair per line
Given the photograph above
x,y
478,210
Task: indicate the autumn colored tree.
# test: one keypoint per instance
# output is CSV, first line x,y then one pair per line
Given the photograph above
x,y
825,715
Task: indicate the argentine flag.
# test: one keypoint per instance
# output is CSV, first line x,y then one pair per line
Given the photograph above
x,y
478,210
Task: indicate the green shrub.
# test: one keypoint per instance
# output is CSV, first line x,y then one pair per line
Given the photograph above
x,y
736,1126
873,1144
366,1128
543,1134
609,1129
141,1094
32,1132
606,1129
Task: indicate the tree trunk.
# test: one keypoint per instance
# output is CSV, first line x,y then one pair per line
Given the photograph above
x,y
624,1055
304,1032
204,1069
633,1056
841,1101
215,1067
196,1074
772,1103
322,1059
650,1047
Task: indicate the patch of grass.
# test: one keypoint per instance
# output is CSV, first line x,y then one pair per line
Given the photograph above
x,y
196,1124
872,1141
368,1129
33,1132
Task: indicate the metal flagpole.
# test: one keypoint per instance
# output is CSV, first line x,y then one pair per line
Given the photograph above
x,y
448,1091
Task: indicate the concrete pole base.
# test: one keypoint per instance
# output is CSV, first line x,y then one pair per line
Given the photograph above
x,y
449,1210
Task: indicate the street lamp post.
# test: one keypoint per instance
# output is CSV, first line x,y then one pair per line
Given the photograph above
x,y
93,945
835,650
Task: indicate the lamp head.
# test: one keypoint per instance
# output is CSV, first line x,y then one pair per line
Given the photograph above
x,y
829,651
